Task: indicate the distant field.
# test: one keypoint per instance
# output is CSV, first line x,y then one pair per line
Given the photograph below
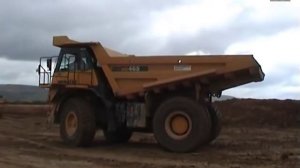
x,y
38,109
238,112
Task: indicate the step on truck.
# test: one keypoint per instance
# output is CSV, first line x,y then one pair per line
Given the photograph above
x,y
92,87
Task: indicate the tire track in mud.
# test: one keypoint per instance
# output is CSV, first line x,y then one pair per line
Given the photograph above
x,y
36,148
27,143
121,157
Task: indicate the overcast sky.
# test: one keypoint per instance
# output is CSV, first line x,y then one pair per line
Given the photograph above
x,y
269,30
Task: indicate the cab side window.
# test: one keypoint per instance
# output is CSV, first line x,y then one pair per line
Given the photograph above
x,y
84,62
77,59
67,62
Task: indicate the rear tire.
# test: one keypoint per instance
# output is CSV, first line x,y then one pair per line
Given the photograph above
x,y
216,119
181,124
77,122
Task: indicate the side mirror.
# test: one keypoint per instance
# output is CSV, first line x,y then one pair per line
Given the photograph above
x,y
49,63
38,70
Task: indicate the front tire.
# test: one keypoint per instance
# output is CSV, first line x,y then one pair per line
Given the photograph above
x,y
181,124
77,122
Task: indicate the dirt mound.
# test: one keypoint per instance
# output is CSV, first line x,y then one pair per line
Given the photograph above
x,y
252,112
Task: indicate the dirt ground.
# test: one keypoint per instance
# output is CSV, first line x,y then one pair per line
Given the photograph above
x,y
256,134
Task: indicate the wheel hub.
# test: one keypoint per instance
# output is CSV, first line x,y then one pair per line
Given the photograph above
x,y
178,125
71,123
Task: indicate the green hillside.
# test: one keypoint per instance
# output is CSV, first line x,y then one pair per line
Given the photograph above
x,y
23,93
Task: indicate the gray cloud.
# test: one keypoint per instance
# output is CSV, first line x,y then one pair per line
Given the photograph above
x,y
27,27
216,40
18,72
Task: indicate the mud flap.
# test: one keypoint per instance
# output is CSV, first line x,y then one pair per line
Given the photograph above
x,y
50,116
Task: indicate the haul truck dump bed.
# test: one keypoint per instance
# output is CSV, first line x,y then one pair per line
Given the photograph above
x,y
167,95
131,75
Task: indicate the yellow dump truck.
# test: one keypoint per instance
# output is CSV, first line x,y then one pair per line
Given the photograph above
x,y
92,87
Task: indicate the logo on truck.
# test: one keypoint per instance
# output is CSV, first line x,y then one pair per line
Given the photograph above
x,y
182,67
130,68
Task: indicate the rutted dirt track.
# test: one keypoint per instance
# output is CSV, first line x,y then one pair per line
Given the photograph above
x,y
260,134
